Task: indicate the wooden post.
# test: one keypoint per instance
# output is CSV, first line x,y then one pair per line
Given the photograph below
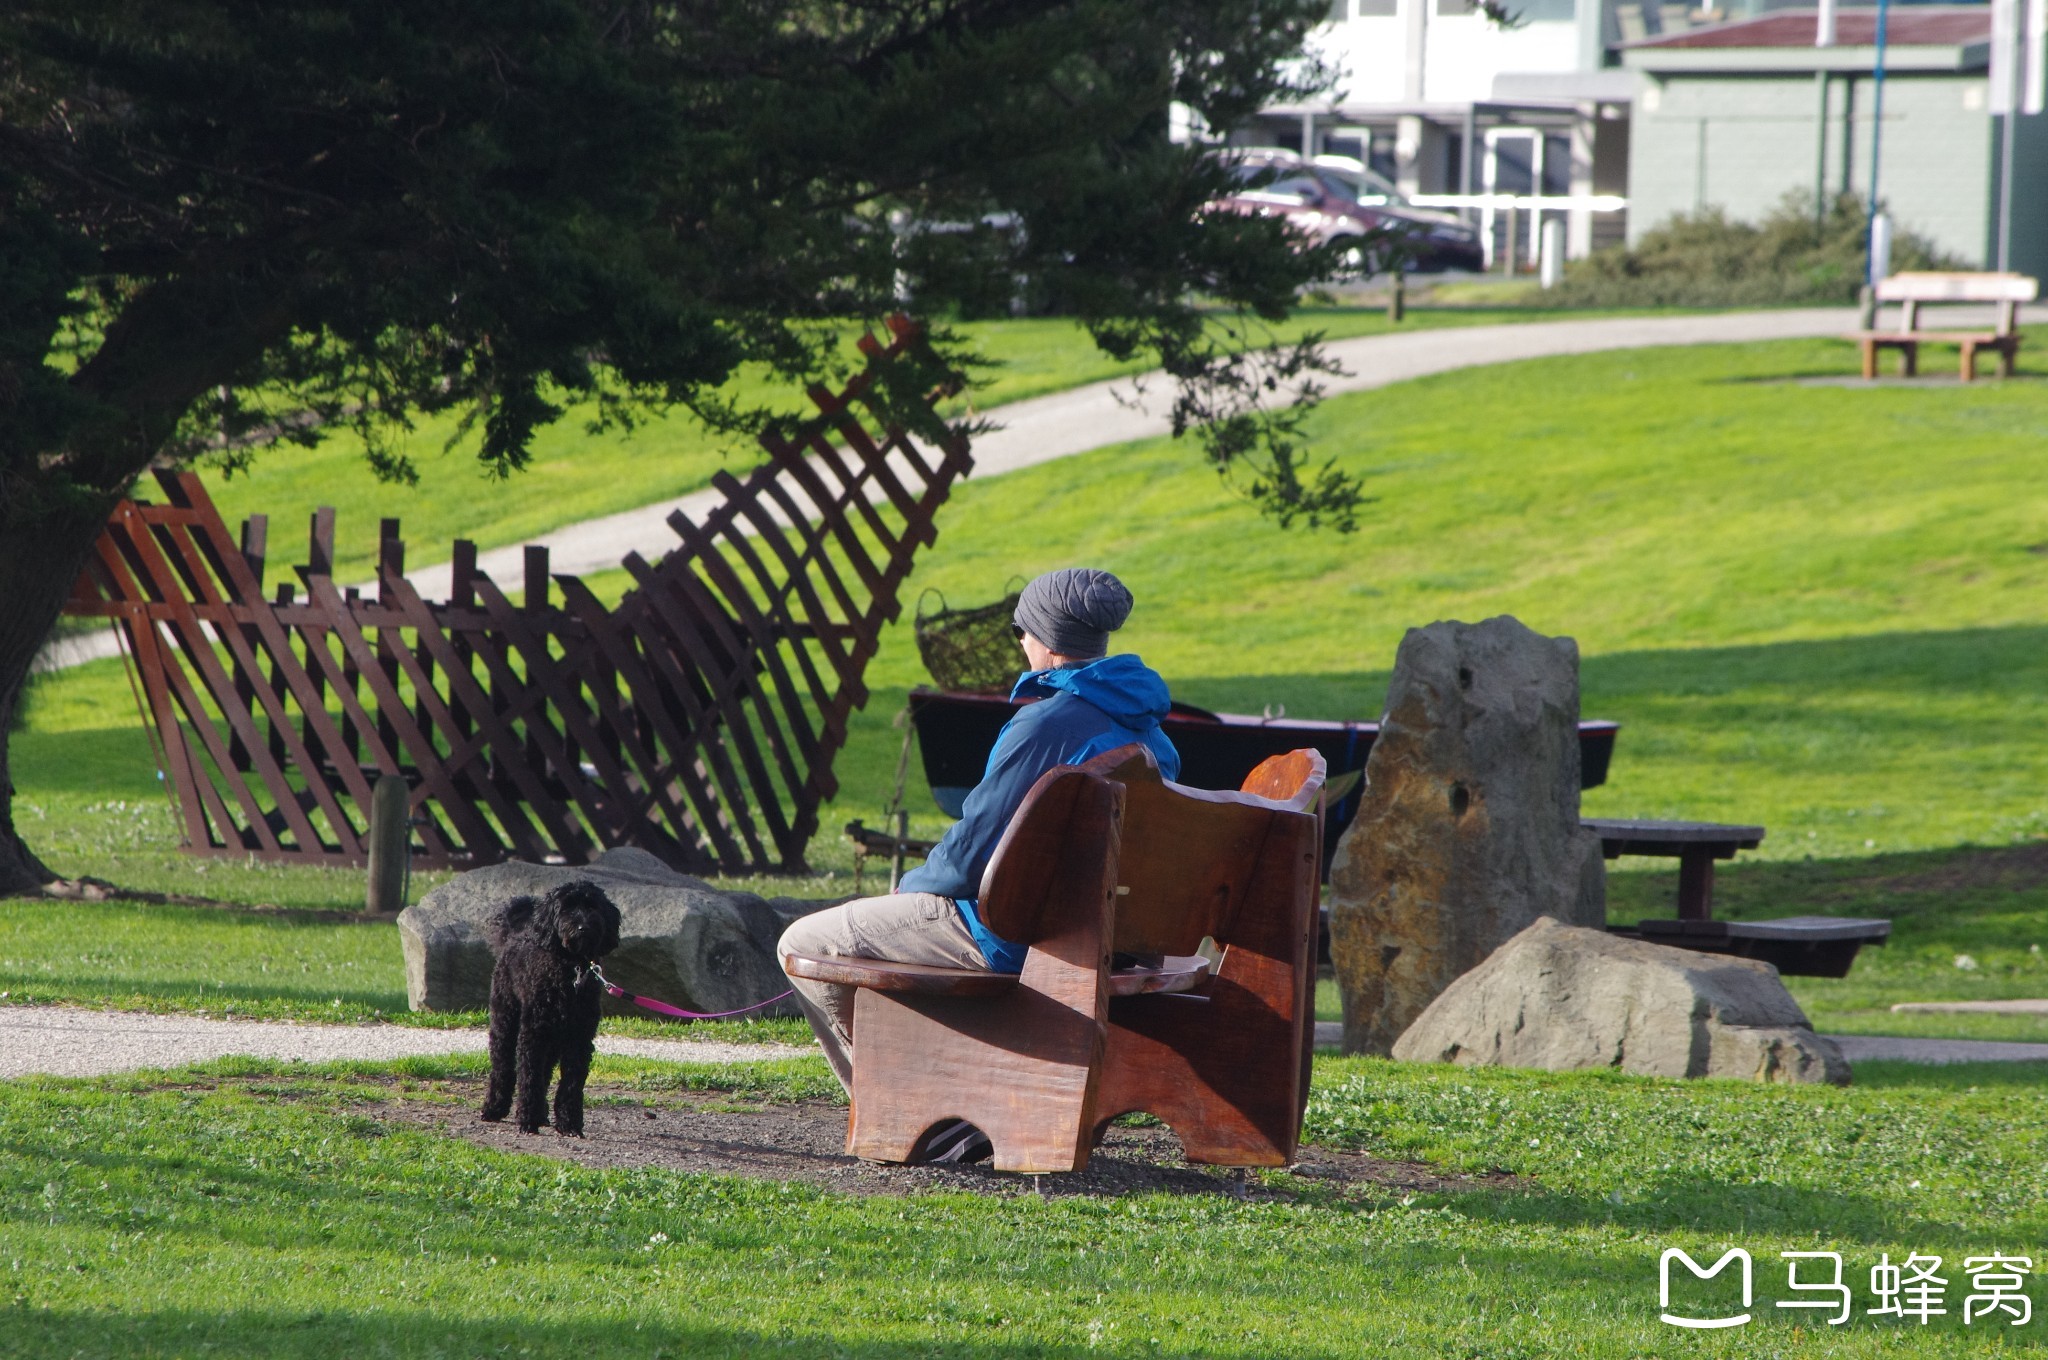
x,y
1696,883
390,847
1397,298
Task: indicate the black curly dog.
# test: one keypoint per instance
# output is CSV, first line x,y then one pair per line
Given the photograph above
x,y
544,1002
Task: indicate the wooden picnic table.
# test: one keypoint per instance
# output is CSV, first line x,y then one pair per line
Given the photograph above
x,y
1802,946
1695,845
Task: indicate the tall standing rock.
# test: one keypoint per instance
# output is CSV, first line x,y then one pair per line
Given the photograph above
x,y
1469,826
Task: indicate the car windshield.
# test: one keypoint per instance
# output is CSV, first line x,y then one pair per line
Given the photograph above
x,y
1304,187
1359,184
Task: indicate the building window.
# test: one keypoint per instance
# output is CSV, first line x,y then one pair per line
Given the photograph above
x,y
1340,10
1378,9
1454,6
1557,163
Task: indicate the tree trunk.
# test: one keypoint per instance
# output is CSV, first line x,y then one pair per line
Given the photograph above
x,y
38,562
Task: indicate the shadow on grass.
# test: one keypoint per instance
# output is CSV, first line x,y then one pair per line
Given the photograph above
x,y
265,1334
1706,1204
1980,897
1923,665
2029,1077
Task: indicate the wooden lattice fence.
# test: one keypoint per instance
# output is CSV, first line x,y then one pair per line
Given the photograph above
x,y
698,719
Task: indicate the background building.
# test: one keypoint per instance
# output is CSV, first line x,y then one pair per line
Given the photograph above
x,y
1662,108
1738,115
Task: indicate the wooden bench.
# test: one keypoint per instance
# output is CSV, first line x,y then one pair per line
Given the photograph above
x,y
1103,860
1801,946
1915,290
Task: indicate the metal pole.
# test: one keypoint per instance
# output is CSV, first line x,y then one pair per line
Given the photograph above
x,y
1820,160
2005,122
1876,139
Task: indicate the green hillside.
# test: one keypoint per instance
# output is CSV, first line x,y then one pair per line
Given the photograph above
x,y
1811,606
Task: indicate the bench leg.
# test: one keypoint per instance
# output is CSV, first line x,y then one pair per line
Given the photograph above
x,y
1909,359
2008,353
1229,1072
1869,359
1969,363
1023,1070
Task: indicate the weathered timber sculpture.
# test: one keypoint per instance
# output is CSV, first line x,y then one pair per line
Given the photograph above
x,y
1468,829
697,720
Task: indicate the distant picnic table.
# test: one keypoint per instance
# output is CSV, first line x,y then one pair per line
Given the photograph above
x,y
1803,946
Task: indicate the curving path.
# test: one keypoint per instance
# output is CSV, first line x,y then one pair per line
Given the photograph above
x,y
1123,410
68,1041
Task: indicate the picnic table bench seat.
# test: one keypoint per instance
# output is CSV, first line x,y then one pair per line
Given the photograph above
x,y
1800,946
1107,859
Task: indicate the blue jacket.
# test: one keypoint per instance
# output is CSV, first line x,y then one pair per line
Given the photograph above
x,y
1083,712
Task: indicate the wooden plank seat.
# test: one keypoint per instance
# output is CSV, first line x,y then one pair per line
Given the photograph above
x,y
1913,290
1102,859
1798,946
884,975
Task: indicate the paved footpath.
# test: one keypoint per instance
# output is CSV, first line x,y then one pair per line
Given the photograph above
x,y
69,1041
1098,415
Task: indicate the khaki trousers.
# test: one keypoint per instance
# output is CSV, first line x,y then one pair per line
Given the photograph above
x,y
902,928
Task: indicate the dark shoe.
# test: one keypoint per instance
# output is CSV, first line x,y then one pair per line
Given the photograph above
x,y
956,1144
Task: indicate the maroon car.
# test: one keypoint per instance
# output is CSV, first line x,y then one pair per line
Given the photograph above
x,y
1329,202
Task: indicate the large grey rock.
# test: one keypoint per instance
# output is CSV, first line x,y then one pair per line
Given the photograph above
x,y
680,939
1565,998
1468,829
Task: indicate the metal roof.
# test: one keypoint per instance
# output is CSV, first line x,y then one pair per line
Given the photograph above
x,y
1908,26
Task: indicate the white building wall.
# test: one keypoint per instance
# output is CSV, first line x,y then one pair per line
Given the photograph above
x,y
1466,53
1373,54
1741,143
1461,53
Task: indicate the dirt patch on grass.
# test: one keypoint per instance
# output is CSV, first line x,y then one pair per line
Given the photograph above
x,y
718,1132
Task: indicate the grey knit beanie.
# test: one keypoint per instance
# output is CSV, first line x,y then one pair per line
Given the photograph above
x,y
1074,610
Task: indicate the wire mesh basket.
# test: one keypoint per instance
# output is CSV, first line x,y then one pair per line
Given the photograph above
x,y
970,649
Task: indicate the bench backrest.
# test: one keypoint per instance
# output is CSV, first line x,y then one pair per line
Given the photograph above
x,y
1188,857
1184,858
1066,825
1929,286
1917,289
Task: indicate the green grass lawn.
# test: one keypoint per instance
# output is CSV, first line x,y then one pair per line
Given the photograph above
x,y
1800,617
247,1210
577,475
1817,608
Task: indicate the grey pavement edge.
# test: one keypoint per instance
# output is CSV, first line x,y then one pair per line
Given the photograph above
x,y
66,1041
1121,411
1855,1047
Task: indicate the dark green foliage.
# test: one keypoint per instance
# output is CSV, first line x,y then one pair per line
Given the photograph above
x,y
235,222
1705,260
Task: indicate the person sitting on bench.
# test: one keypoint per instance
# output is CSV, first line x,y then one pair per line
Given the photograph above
x,y
1090,703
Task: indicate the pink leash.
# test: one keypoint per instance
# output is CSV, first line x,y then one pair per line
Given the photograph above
x,y
663,1008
